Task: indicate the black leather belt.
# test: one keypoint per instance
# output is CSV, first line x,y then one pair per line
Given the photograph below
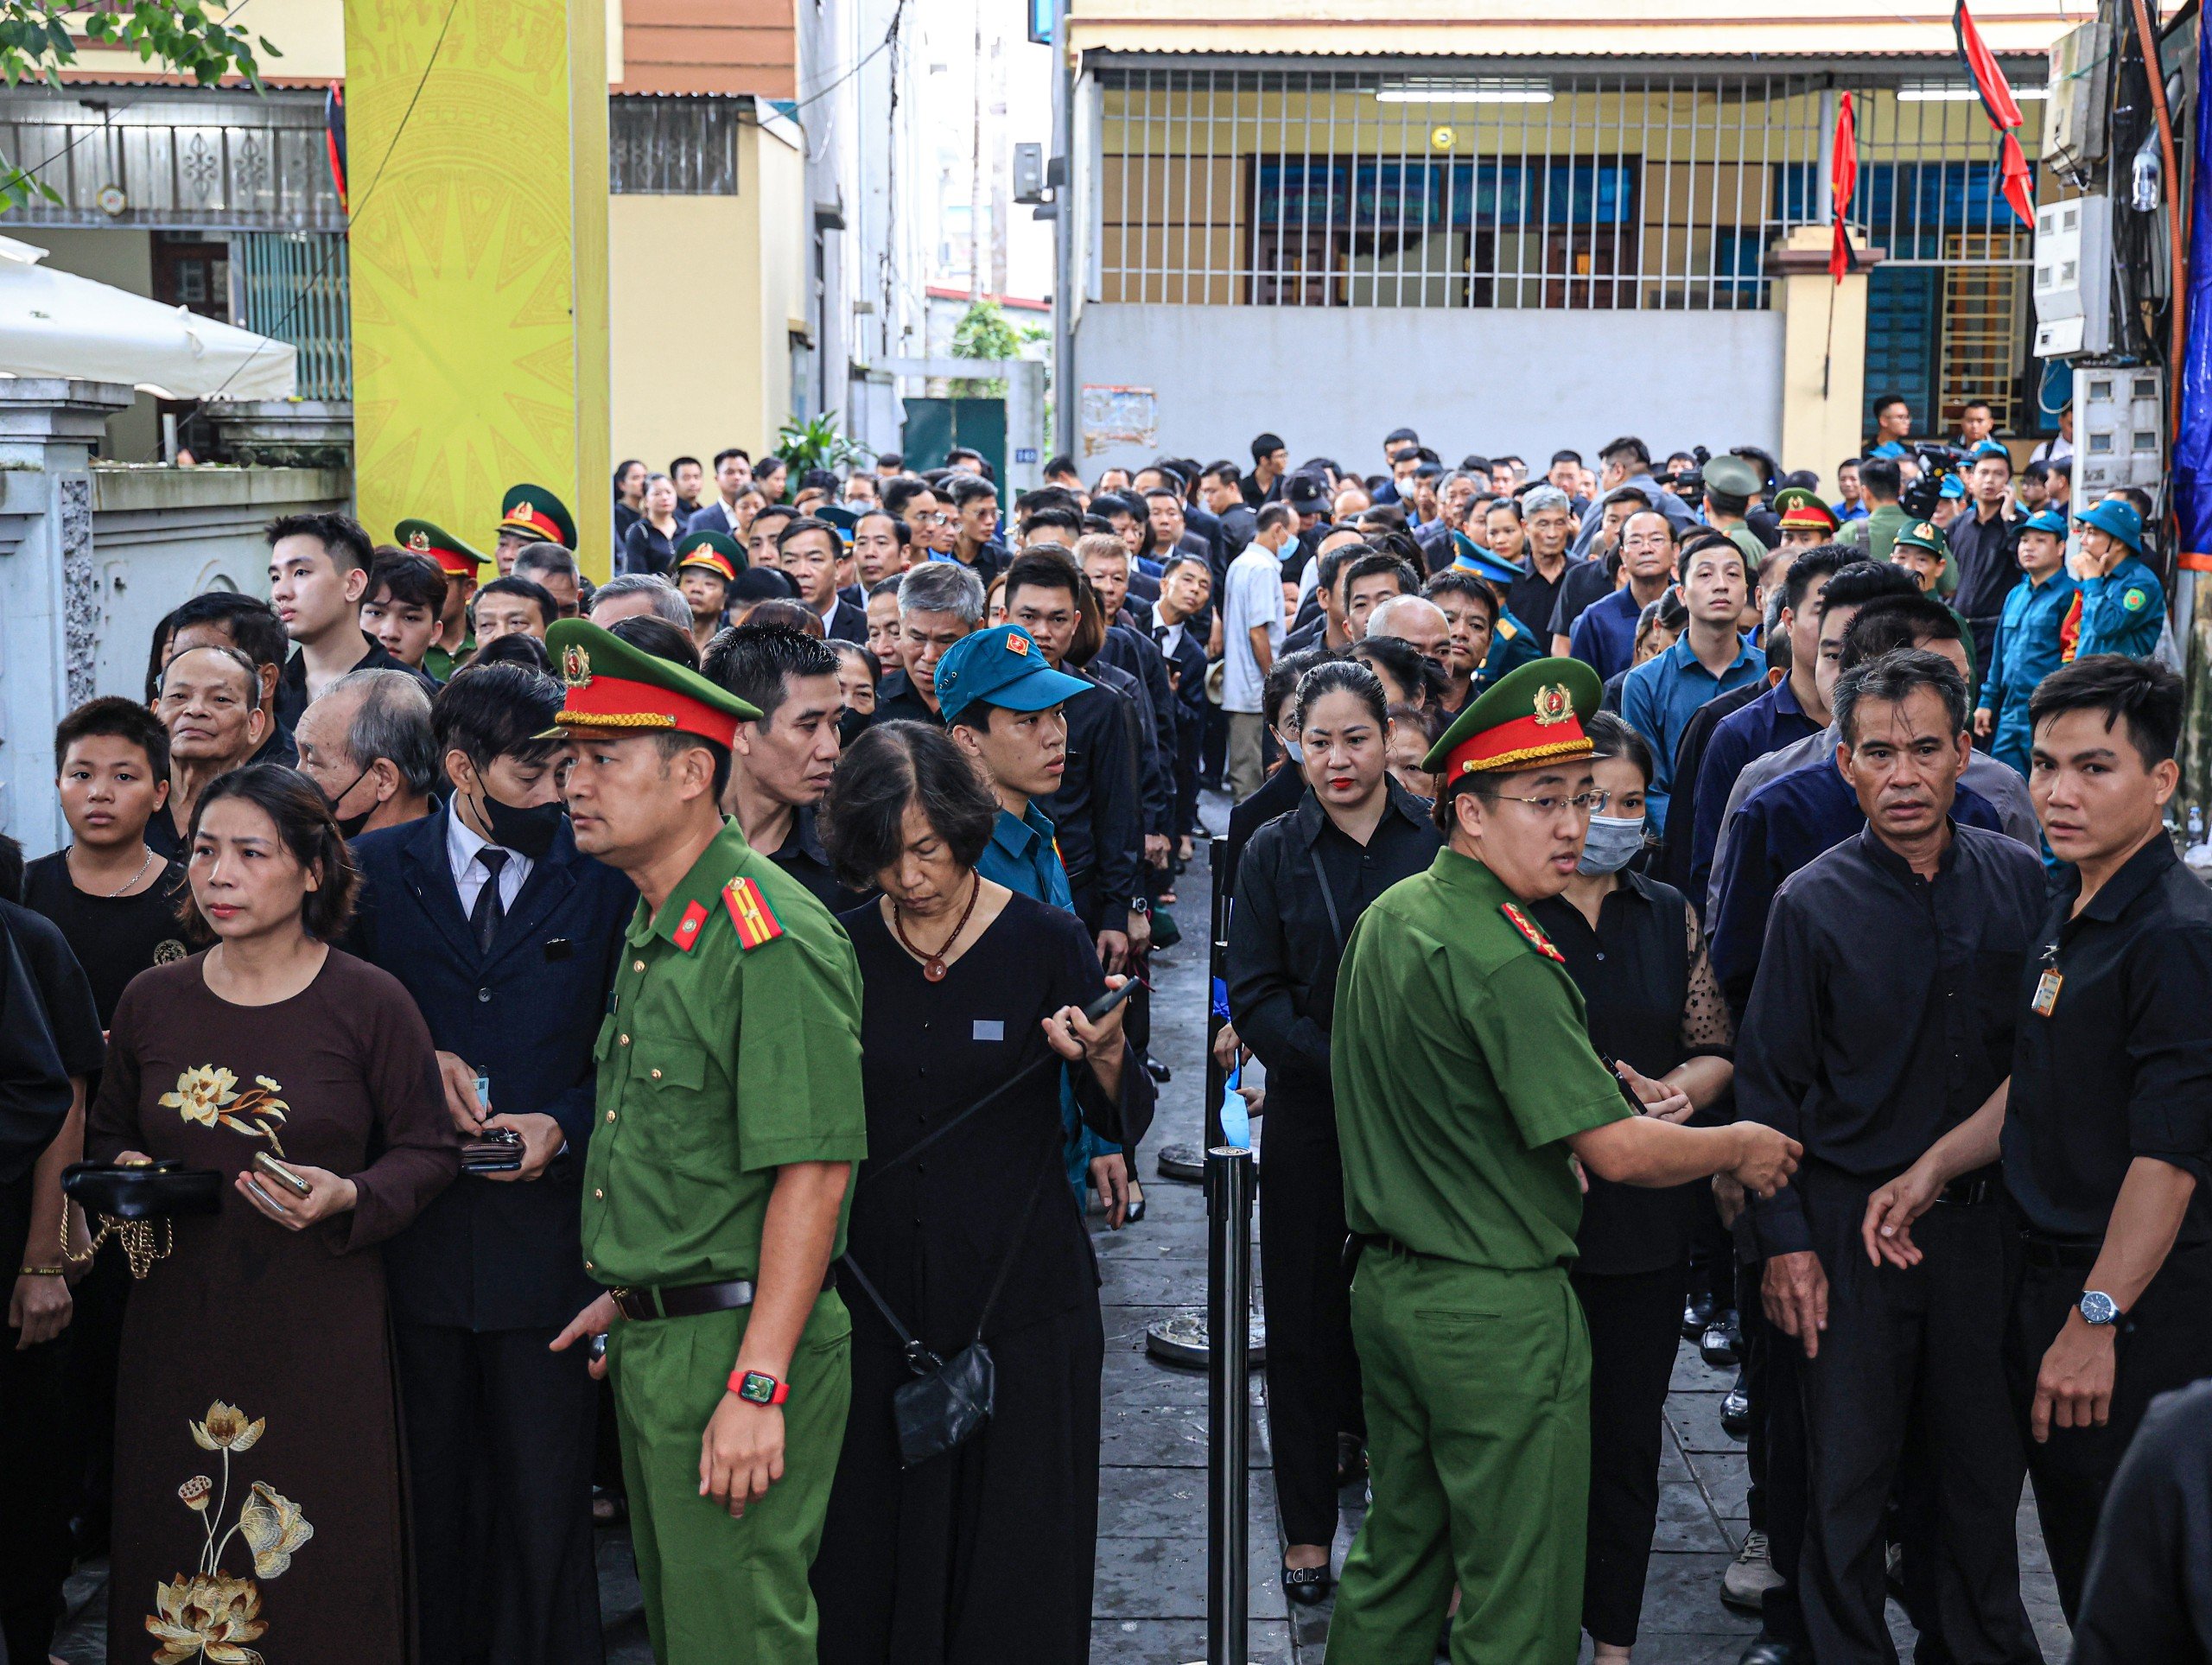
x,y
691,1300
2068,1253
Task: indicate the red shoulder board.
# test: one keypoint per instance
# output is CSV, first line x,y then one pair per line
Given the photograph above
x,y
749,912
687,928
1527,927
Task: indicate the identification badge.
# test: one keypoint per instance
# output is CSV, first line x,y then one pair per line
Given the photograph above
x,y
2047,988
991,1028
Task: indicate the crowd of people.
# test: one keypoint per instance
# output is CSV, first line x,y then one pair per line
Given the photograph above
x,y
625,1021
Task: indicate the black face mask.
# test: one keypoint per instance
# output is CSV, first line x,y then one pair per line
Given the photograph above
x,y
349,826
527,832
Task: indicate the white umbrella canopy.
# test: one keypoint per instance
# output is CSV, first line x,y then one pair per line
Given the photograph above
x,y
54,323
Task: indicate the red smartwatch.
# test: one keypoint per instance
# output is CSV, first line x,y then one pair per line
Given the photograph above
x,y
758,1387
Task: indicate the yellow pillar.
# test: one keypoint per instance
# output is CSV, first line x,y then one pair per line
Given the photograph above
x,y
1823,354
477,145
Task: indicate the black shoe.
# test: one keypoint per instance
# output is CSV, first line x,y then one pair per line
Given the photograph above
x,y
1697,1312
1352,1461
1765,1651
1156,1070
1134,1213
1308,1586
1736,1410
1722,1343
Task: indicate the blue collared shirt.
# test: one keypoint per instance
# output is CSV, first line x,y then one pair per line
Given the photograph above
x,y
2122,612
2028,648
1605,635
1660,697
1767,724
1023,857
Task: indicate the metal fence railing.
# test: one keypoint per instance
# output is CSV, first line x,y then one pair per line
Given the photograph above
x,y
1280,186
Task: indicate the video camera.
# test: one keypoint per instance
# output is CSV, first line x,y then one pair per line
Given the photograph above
x,y
1690,485
1919,499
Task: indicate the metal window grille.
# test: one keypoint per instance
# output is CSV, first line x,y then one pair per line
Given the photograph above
x,y
1268,187
293,287
662,146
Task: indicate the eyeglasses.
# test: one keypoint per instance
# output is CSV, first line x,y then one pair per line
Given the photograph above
x,y
1591,802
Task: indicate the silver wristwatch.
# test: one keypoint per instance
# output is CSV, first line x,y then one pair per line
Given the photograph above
x,y
2097,1307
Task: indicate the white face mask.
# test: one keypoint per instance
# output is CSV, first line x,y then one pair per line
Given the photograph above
x,y
1611,845
1297,752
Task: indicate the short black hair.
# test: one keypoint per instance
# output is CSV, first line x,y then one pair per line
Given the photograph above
x,y
1890,622
251,623
680,461
1057,464
889,460
1884,401
726,453
1977,404
1822,561
651,633
899,530
1330,564
1859,580
778,512
818,480
547,609
1880,477
496,711
410,579
1575,457
863,815
515,647
1266,445
758,662
2142,693
1186,559
349,544
1894,677
1225,471
116,718
1401,659
758,584
1043,571
1382,561
1052,515
1626,445
1458,580
972,488
11,869
902,489
305,827
548,558
801,525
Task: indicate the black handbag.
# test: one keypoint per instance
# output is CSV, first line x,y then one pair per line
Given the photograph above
x,y
949,1399
127,1198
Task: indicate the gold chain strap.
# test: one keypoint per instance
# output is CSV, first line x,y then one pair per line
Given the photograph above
x,y
136,1238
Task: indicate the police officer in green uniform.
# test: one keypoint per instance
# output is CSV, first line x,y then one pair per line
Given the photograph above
x,y
531,514
463,567
727,1121
1466,1090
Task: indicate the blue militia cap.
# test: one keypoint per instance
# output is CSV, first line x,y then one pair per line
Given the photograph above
x,y
1005,666
2045,520
1954,486
2116,515
1480,561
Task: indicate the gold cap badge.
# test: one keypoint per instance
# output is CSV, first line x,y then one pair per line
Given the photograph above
x,y
419,542
576,666
1553,703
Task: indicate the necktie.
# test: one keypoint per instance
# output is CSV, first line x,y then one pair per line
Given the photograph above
x,y
484,919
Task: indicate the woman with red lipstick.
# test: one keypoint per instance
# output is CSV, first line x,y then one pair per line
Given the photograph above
x,y
257,1445
1303,882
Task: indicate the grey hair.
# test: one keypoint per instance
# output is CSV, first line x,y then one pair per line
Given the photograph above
x,y
668,600
1892,678
943,586
1541,497
392,721
548,558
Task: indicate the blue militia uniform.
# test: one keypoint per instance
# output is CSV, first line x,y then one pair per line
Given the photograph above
x,y
2123,611
2027,649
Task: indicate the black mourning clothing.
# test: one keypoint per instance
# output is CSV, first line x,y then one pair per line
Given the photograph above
x,y
114,938
1284,952
984,1554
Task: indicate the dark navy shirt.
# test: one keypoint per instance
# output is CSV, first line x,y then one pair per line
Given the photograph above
x,y
1767,724
1781,827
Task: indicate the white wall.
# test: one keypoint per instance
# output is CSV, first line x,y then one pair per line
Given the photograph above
x,y
1332,381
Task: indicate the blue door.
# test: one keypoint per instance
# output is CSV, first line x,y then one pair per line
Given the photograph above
x,y
1901,319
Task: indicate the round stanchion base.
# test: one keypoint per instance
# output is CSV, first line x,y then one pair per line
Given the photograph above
x,y
1179,1339
1182,1162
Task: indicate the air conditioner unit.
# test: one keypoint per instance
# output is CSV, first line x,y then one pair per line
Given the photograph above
x,y
2073,278
2074,126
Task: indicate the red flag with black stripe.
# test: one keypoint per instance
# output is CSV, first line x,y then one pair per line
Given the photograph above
x,y
2003,110
333,138
1843,181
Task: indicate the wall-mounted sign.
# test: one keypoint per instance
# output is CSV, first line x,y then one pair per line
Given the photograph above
x,y
1116,416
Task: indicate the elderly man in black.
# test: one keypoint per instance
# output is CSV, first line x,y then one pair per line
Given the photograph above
x,y
1882,1018
2107,1137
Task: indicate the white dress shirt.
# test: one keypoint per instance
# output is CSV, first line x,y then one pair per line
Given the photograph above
x,y
462,845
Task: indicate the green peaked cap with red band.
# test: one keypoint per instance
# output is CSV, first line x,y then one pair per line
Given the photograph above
x,y
422,537
1530,716
718,552
607,683
535,512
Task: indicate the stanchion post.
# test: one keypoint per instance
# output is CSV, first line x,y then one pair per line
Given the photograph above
x,y
1216,996
1229,1182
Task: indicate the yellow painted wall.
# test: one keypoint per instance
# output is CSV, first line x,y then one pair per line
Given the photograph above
x,y
779,168
480,260
683,272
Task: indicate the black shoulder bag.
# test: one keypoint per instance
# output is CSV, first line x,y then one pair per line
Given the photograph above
x,y
950,1399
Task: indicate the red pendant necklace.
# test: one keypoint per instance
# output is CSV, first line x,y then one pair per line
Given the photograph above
x,y
933,965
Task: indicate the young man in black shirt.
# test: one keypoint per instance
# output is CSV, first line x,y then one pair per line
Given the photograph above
x,y
2106,1138
1882,1018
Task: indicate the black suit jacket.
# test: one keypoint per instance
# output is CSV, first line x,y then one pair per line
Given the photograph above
x,y
714,518
491,1255
848,623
